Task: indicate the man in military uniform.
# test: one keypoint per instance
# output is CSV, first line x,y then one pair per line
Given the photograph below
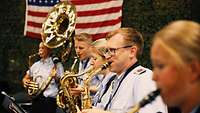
x,y
133,81
40,71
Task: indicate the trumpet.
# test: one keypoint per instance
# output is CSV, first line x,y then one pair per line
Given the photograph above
x,y
146,100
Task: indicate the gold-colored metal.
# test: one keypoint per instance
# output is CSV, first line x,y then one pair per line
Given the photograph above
x,y
35,89
59,24
66,51
57,29
87,100
30,58
32,86
64,98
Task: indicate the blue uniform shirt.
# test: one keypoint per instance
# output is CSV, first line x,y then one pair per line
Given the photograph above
x,y
40,71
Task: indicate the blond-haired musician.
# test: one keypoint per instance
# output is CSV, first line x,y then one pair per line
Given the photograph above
x,y
133,81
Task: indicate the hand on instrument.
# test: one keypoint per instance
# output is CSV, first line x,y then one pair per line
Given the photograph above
x,y
32,85
26,82
53,72
94,110
77,90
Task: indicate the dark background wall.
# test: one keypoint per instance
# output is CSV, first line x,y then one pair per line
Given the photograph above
x,y
148,16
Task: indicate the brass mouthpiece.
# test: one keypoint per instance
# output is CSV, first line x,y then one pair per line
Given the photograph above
x,y
106,65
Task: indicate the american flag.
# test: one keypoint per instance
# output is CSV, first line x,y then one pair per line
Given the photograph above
x,y
96,17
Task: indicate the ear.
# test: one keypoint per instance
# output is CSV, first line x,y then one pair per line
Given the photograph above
x,y
195,70
133,52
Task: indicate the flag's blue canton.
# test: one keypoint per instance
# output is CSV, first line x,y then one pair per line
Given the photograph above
x,y
43,2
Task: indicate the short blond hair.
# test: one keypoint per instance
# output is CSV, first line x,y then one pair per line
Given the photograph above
x,y
100,46
131,37
85,37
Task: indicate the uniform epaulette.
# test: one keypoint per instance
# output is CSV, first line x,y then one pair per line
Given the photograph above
x,y
139,71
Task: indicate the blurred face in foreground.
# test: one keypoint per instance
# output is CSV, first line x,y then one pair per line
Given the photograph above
x,y
175,56
171,78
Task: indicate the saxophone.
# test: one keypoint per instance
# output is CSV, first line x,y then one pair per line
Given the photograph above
x,y
87,100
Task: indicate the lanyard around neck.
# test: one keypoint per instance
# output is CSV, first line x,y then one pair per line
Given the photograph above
x,y
123,77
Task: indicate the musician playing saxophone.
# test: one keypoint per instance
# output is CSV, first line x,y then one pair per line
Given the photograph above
x,y
39,73
132,81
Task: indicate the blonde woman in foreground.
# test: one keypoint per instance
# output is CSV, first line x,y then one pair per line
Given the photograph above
x,y
175,56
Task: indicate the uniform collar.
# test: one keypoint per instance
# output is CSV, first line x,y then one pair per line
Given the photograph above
x,y
47,60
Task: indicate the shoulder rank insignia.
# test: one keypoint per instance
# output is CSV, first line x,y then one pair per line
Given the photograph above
x,y
139,71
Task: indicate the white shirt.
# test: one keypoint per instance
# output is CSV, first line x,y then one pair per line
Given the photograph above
x,y
134,87
40,71
100,102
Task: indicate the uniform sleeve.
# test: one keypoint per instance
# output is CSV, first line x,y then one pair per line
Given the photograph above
x,y
30,71
144,85
60,70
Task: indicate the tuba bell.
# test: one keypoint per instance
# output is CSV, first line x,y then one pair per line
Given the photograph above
x,y
57,30
59,25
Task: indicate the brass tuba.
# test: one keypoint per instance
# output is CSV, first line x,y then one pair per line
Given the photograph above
x,y
59,25
57,30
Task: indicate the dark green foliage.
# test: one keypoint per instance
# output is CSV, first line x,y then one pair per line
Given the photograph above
x,y
147,16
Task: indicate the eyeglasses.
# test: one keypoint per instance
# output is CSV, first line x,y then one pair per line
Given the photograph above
x,y
112,51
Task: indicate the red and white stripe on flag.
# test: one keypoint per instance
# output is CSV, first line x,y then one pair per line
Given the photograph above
x,y
96,17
